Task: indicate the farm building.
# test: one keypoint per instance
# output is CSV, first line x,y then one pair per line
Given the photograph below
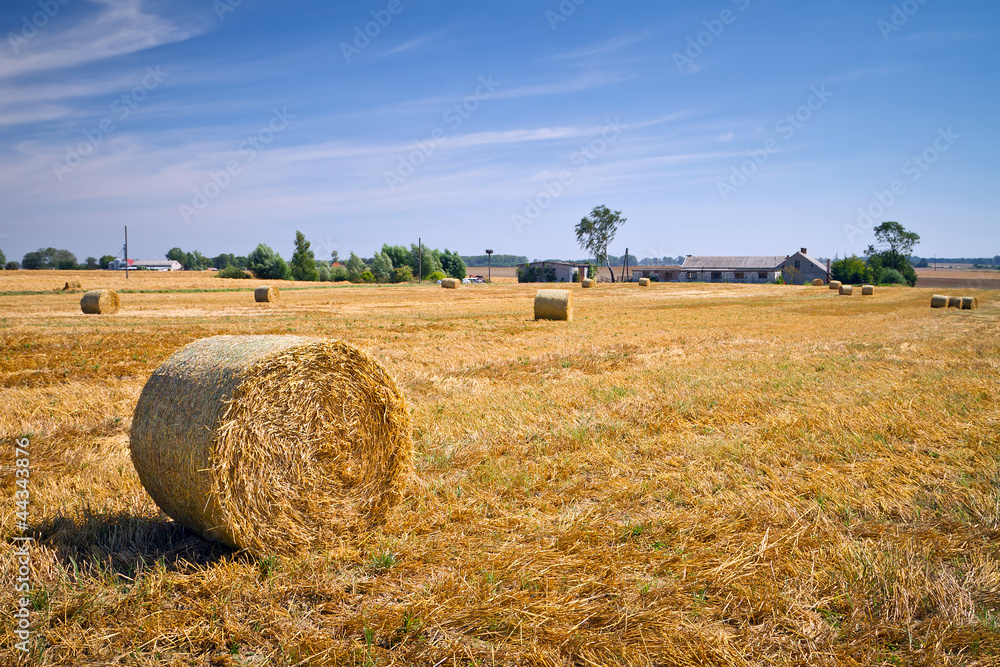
x,y
150,264
555,272
797,269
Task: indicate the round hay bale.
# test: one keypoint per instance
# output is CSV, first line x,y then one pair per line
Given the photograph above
x,y
587,283
72,284
266,294
955,302
451,283
819,282
867,290
970,303
846,290
100,302
643,282
835,284
272,443
939,301
554,304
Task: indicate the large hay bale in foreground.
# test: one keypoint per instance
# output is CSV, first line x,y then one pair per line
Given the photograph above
x,y
954,302
643,282
100,302
554,304
939,301
867,290
266,294
451,283
72,284
271,443
970,303
846,290
835,284
587,283
818,282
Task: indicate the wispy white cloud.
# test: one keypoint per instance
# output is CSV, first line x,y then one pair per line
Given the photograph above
x,y
414,43
588,81
603,48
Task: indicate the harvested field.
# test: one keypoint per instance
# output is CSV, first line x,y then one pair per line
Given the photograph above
x,y
958,279
692,474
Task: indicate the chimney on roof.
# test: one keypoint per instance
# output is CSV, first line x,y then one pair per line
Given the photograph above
x,y
804,251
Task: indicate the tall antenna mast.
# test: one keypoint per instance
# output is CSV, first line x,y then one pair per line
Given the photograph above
x,y
126,252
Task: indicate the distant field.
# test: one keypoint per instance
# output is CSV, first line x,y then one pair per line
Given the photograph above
x,y
686,474
958,279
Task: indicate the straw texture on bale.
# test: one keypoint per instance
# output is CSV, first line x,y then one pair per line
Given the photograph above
x,y
272,443
818,282
867,290
643,282
72,284
970,303
939,301
954,302
846,290
835,284
100,302
588,282
266,294
451,283
554,304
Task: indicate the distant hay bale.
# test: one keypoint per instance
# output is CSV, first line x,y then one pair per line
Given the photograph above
x,y
939,301
970,303
835,284
954,302
819,282
643,282
554,304
451,283
846,290
266,294
588,282
867,290
272,443
72,284
100,302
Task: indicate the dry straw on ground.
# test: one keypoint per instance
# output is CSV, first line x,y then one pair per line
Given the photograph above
x,y
270,443
939,301
867,290
835,284
554,304
100,302
846,290
72,284
970,303
818,282
266,294
588,283
643,282
450,283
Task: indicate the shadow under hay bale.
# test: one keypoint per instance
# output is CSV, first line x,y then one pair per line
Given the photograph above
x,y
266,294
554,304
450,283
100,302
272,443
939,301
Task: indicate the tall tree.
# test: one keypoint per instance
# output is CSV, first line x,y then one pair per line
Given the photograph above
x,y
267,264
105,260
382,267
891,250
452,264
355,267
3,258
303,260
596,232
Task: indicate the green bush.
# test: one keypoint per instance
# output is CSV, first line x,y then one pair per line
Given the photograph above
x,y
366,276
232,272
338,274
402,274
436,276
891,277
323,273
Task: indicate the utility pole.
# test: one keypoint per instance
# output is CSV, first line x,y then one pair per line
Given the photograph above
x,y
420,260
126,252
489,265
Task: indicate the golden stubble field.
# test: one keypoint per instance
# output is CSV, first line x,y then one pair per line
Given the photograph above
x,y
684,475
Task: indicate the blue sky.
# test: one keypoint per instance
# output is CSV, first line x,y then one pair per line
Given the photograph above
x,y
723,127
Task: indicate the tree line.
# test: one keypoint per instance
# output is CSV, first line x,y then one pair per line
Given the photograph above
x,y
887,262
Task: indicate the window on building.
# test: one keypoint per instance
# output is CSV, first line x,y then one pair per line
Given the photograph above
x,y
692,276
667,276
739,275
716,275
797,264
762,275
